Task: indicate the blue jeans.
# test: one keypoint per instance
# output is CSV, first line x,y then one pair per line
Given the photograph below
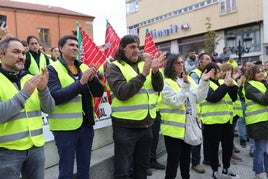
x,y
260,161
241,126
131,144
252,144
29,163
74,143
196,157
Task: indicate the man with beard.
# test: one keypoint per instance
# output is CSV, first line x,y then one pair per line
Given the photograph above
x,y
22,97
135,83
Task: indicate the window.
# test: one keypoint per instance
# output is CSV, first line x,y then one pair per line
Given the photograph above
x,y
132,6
44,36
227,6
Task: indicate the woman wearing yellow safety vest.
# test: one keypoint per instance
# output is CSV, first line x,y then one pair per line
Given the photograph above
x,y
179,96
217,114
256,116
35,60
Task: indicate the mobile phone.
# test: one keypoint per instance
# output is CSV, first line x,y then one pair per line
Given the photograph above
x,y
3,18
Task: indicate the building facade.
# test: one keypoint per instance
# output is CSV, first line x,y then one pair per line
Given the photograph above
x,y
178,26
48,23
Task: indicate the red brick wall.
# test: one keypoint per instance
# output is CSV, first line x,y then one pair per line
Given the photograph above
x,y
22,23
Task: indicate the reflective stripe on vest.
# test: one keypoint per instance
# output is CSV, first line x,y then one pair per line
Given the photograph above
x,y
138,106
71,111
216,113
34,68
26,115
172,118
18,132
255,112
17,136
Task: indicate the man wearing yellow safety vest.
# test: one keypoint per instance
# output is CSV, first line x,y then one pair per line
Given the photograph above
x,y
217,114
73,85
22,97
35,60
134,83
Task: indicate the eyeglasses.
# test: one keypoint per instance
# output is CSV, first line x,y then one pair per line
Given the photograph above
x,y
179,62
260,71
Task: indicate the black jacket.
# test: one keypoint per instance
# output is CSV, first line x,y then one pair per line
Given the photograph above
x,y
258,130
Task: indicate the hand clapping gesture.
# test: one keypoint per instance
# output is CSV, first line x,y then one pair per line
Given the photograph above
x,y
89,74
206,75
44,80
228,80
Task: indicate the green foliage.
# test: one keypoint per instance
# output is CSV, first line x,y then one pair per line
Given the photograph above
x,y
210,38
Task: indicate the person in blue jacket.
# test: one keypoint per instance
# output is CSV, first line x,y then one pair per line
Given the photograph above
x,y
73,85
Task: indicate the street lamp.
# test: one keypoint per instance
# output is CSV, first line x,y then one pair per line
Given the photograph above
x,y
239,50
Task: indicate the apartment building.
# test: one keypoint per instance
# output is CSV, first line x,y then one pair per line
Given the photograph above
x,y
178,26
48,23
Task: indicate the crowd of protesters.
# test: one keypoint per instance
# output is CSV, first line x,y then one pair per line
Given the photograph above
x,y
227,97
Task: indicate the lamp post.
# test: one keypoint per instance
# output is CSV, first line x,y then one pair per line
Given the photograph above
x,y
239,50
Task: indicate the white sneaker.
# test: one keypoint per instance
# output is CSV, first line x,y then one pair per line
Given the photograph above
x,y
216,175
261,176
230,174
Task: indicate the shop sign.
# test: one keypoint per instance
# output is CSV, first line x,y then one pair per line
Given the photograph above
x,y
165,32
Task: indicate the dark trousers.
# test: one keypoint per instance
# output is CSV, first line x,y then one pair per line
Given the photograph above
x,y
74,143
196,157
155,129
178,152
205,148
215,134
131,145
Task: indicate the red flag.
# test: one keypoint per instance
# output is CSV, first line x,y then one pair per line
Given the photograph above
x,y
111,41
91,53
149,45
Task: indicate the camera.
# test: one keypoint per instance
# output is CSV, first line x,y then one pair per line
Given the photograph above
x,y
3,18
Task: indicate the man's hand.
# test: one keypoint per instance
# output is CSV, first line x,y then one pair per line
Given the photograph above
x,y
32,83
3,30
44,80
89,74
158,62
147,65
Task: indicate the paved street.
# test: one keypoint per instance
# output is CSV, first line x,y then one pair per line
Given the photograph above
x,y
243,169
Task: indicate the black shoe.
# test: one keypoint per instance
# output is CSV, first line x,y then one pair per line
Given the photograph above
x,y
154,164
149,172
130,176
251,153
243,143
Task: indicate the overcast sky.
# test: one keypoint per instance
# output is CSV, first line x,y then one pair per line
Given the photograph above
x,y
112,10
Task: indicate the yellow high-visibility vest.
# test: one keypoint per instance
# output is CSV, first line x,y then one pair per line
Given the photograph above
x,y
172,119
33,68
67,116
255,112
216,113
25,129
138,106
